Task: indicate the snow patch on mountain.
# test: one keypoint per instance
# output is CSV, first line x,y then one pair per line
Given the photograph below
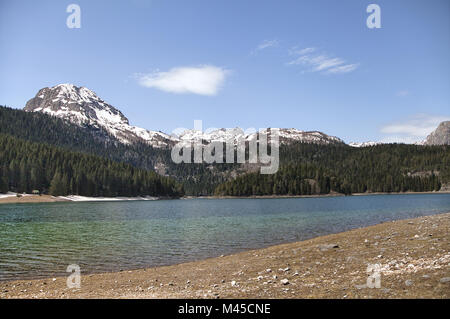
x,y
364,144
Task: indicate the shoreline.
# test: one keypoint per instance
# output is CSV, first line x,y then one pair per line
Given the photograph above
x,y
29,198
413,255
314,196
11,198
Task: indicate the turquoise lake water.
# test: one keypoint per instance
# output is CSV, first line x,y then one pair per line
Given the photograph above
x,y
41,240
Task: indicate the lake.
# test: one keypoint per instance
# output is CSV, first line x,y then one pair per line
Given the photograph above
x,y
42,239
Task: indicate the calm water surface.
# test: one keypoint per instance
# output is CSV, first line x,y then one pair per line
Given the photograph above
x,y
40,240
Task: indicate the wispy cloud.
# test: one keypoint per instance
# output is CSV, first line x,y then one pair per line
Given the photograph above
x,y
402,93
343,68
298,51
414,129
202,80
267,44
320,62
306,51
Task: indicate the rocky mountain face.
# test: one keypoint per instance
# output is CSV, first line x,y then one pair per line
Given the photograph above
x,y
440,136
83,107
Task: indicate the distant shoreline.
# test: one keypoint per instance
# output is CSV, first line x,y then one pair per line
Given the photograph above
x,y
312,196
11,198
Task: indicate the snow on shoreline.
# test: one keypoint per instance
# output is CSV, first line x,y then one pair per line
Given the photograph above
x,y
11,194
78,198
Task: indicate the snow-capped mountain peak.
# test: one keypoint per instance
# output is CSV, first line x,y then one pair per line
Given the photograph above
x,y
76,94
83,107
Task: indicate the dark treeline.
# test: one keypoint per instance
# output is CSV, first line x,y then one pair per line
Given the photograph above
x,y
320,169
202,179
43,128
27,166
198,179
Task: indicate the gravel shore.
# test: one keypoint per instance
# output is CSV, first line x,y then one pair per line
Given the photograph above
x,y
413,257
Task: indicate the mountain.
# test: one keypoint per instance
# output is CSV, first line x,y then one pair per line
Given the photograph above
x,y
83,107
440,136
286,136
363,144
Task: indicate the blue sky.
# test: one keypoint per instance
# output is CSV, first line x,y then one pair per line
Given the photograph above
x,y
312,65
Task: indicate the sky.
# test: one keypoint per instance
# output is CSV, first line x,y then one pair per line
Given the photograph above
x,y
310,65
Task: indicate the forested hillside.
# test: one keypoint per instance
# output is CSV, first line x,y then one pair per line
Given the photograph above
x,y
26,166
42,128
306,168
316,169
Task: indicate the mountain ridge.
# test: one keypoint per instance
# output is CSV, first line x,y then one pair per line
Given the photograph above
x,y
83,107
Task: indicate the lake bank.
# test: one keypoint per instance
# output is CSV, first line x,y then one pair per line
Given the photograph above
x,y
314,196
28,198
413,255
11,198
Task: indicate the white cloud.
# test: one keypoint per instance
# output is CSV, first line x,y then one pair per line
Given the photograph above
x,y
296,51
414,129
307,50
202,80
320,62
267,44
344,68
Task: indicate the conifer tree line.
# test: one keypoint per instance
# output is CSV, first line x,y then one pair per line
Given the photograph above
x,y
43,128
320,169
26,166
197,179
305,168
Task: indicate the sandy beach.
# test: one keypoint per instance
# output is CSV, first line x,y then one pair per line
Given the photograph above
x,y
28,198
413,256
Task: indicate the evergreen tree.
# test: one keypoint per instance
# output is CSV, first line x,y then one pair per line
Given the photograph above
x,y
4,180
57,186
